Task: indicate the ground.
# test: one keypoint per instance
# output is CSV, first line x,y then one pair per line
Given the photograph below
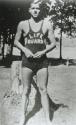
x,y
61,89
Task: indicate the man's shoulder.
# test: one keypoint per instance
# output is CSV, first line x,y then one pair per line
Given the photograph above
x,y
22,23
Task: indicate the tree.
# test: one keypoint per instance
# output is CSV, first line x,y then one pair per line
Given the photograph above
x,y
63,15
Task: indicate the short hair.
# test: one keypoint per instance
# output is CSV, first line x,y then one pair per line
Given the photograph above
x,y
36,2
43,6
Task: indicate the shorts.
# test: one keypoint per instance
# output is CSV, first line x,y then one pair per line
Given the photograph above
x,y
35,64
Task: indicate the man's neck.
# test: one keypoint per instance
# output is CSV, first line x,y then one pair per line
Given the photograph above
x,y
35,25
36,20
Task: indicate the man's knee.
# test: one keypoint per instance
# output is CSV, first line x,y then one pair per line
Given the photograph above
x,y
43,90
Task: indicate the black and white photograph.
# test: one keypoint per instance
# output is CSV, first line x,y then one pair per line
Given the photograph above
x,y
37,62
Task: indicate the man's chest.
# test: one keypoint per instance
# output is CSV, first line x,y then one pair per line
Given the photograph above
x,y
35,31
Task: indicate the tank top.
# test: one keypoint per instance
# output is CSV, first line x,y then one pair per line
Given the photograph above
x,y
35,41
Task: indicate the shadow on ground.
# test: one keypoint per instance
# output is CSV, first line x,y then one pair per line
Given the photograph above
x,y
37,106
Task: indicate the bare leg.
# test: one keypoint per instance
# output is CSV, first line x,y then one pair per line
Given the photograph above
x,y
42,79
27,79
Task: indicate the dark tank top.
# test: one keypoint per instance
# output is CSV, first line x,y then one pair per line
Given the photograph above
x,y
35,41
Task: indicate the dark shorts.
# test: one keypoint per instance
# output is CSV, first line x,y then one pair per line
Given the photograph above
x,y
35,64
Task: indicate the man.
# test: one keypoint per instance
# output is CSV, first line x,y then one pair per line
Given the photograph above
x,y
38,40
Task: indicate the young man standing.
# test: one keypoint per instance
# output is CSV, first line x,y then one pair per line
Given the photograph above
x,y
38,40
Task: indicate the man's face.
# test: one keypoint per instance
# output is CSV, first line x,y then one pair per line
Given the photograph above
x,y
34,10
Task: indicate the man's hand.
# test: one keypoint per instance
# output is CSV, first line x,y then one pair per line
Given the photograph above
x,y
39,54
28,53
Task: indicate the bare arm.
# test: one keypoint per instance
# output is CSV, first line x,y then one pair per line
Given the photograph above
x,y
51,38
17,43
17,38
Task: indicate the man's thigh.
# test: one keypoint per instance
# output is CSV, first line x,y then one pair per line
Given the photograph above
x,y
42,77
27,75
